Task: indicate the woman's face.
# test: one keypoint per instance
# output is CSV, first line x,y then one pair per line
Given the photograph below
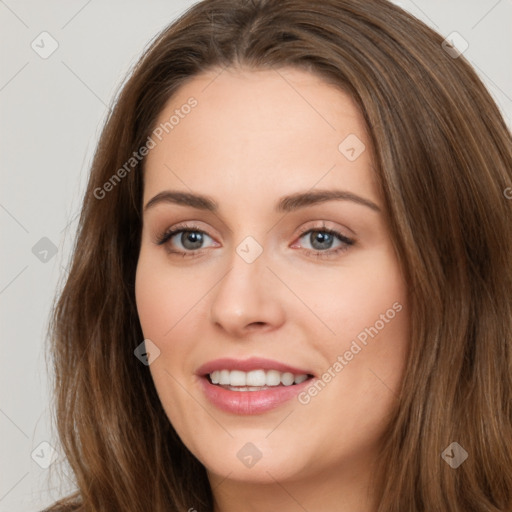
x,y
287,273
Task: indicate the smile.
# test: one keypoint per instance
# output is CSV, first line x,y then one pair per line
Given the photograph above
x,y
252,386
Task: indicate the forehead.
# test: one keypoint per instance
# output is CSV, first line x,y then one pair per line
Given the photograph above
x,y
259,131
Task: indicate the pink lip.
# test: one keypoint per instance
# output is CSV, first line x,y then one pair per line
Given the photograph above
x,y
249,402
246,365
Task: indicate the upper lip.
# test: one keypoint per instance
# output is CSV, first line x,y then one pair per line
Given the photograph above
x,y
246,365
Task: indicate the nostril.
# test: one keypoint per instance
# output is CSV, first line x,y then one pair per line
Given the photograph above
x,y
257,325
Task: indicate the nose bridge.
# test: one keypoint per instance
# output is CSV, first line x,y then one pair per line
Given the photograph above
x,y
247,293
247,279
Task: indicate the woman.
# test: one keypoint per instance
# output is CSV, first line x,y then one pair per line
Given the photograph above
x,y
291,283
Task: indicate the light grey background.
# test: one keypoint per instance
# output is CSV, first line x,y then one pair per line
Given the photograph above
x,y
52,110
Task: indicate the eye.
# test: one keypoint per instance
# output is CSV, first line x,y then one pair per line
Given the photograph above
x,y
184,240
321,241
187,240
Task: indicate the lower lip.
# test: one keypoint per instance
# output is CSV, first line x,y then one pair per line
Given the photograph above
x,y
250,402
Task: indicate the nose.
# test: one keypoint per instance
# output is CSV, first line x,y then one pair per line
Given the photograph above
x,y
248,298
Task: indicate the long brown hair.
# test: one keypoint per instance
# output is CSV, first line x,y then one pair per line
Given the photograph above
x,y
443,160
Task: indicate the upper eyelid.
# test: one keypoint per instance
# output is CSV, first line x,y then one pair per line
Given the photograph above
x,y
194,226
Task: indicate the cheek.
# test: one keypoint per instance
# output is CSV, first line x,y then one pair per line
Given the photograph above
x,y
162,297
353,300
365,359
164,309
368,313
152,299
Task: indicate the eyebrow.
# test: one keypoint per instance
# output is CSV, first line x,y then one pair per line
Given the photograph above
x,y
286,204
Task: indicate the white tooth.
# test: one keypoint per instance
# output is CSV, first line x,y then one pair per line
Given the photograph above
x,y
224,377
287,379
237,378
256,378
273,378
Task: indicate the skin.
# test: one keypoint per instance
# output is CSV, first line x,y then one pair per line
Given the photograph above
x,y
254,137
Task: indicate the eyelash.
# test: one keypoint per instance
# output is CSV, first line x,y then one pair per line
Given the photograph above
x,y
167,235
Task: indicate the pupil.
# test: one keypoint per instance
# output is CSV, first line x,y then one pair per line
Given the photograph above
x,y
192,240
324,239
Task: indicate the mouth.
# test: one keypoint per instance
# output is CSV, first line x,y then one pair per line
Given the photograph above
x,y
251,386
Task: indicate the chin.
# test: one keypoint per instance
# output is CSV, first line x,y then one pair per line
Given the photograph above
x,y
259,460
